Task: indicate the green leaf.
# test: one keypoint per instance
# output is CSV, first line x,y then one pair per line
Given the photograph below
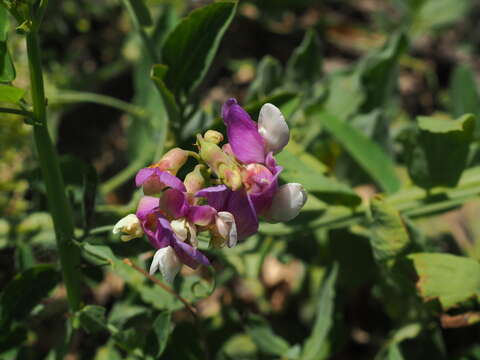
x,y
313,347
450,278
368,154
304,67
92,319
10,94
263,336
394,353
388,233
161,329
190,48
464,94
157,75
301,167
267,78
141,11
25,291
433,14
378,72
345,94
437,151
7,69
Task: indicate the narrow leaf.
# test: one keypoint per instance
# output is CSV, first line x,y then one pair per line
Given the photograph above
x,y
267,78
92,319
190,48
7,69
141,12
264,337
161,329
368,154
314,344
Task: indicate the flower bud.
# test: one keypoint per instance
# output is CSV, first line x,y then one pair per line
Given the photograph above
x,y
130,226
287,203
221,164
273,128
172,161
213,136
225,230
167,262
195,181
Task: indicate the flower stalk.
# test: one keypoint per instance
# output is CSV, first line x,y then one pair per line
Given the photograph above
x,y
57,201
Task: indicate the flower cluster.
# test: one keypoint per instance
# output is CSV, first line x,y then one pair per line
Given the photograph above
x,y
225,194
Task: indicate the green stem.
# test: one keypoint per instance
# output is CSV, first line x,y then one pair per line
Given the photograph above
x,y
57,201
70,96
17,112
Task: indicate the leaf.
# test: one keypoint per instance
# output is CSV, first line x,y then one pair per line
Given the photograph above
x,y
368,154
301,167
437,151
263,336
464,94
25,291
314,344
304,67
433,14
7,69
345,94
394,353
10,94
157,75
450,278
161,329
141,12
388,233
267,78
92,319
378,72
190,48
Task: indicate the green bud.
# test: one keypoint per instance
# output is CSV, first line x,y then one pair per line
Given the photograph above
x,y
195,180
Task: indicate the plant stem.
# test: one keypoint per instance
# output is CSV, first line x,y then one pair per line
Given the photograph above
x,y
20,112
57,201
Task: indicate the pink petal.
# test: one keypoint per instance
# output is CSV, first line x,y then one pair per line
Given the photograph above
x,y
201,215
155,180
174,203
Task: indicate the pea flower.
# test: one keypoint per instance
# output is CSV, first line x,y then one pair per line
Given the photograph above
x,y
252,147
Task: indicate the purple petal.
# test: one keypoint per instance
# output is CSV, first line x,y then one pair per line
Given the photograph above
x,y
201,215
216,196
174,203
146,205
243,136
163,235
242,209
263,200
154,180
189,255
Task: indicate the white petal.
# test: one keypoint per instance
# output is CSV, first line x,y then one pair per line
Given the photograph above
x,y
130,226
287,203
227,228
180,229
167,261
273,128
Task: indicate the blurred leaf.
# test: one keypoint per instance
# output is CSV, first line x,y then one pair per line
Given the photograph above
x,y
10,94
263,336
367,153
464,94
388,233
25,291
161,329
108,352
304,67
141,11
90,183
432,14
394,353
190,48
7,69
437,152
301,167
313,346
345,94
92,319
450,278
267,78
378,72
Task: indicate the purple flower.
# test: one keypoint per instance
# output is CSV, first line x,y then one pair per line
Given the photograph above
x,y
170,221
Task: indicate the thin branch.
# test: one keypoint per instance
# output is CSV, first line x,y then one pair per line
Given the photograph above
x,y
20,112
165,287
